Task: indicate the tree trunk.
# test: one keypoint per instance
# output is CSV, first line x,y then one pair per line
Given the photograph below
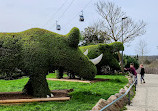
x,y
37,86
120,59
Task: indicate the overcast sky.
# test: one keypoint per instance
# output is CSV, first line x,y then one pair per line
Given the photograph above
x,y
20,15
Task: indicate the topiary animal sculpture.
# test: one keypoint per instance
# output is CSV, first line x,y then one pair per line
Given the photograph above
x,y
37,52
108,51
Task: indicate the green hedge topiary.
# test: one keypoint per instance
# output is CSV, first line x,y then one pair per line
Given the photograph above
x,y
37,52
108,51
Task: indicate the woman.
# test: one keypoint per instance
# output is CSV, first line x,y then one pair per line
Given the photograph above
x,y
142,72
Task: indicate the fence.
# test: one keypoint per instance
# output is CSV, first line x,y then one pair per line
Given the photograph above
x,y
127,92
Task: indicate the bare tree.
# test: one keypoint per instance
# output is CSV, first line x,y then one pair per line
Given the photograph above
x,y
141,49
112,16
114,25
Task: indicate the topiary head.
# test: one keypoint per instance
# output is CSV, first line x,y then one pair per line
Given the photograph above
x,y
117,46
108,51
71,59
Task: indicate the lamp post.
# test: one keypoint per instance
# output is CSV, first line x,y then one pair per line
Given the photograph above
x,y
122,41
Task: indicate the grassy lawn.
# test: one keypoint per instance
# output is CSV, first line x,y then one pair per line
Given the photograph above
x,y
84,97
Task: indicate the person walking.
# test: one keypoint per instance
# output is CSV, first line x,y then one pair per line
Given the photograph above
x,y
142,72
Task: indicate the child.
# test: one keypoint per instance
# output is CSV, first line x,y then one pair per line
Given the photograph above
x,y
142,71
132,70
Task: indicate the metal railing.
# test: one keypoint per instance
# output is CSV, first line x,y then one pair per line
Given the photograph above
x,y
127,92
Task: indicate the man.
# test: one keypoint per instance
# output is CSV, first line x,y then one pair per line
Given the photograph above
x,y
132,70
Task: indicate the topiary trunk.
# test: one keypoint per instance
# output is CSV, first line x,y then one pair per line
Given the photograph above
x,y
37,86
59,74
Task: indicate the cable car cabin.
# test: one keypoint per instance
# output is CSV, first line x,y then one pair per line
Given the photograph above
x,y
58,27
81,18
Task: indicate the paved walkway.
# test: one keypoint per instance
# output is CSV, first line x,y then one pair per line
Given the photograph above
x,y
146,98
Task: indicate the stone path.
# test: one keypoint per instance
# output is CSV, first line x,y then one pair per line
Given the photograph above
x,y
146,98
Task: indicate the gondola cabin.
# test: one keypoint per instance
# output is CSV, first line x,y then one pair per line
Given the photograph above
x,y
58,27
81,18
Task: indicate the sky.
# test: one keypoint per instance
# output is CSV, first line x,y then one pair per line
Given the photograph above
x,y
20,15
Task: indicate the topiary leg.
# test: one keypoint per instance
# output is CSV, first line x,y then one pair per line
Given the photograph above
x,y
37,86
99,70
59,74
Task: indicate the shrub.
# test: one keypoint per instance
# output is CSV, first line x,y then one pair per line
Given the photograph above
x,y
128,60
147,62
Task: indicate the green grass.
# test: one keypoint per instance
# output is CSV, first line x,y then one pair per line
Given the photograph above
x,y
84,96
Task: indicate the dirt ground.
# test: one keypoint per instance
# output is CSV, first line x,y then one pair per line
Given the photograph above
x,y
20,95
